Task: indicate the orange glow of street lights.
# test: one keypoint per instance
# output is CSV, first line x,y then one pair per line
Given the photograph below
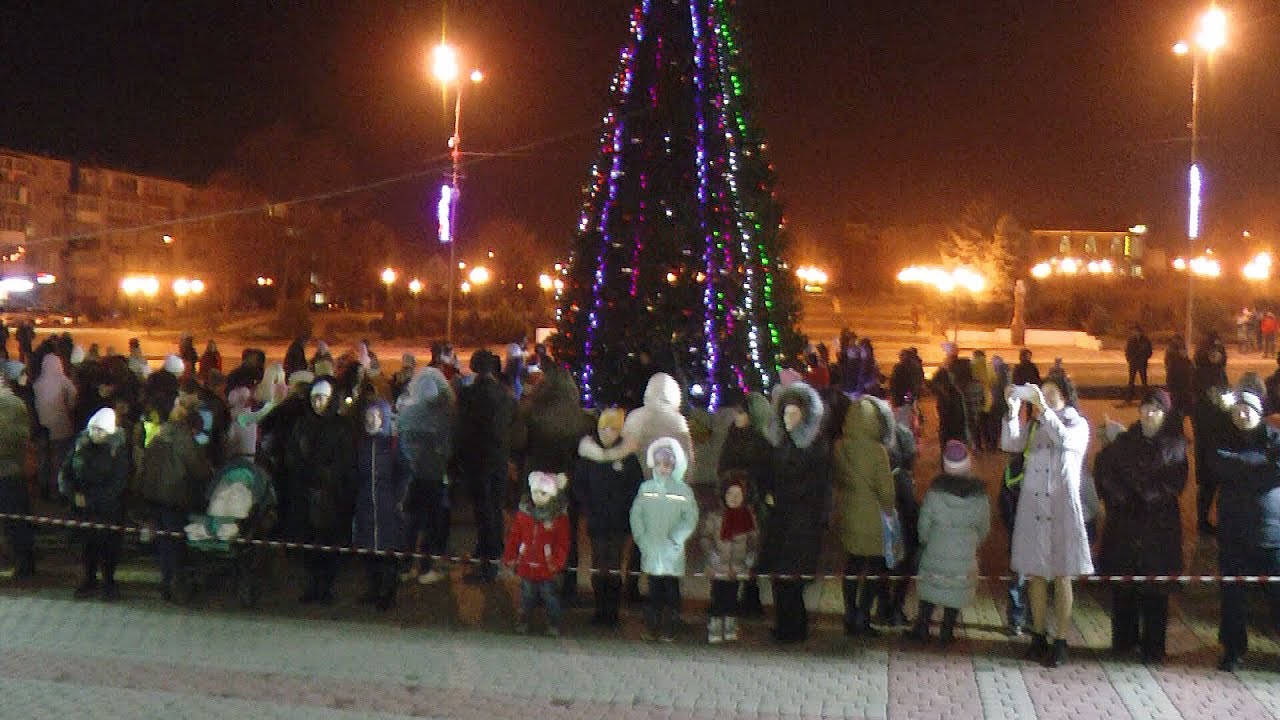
x,y
388,277
444,63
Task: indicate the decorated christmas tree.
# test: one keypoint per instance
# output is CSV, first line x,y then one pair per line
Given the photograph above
x,y
678,250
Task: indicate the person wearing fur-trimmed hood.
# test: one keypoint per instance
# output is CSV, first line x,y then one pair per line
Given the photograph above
x,y
865,477
425,425
799,499
605,482
537,547
663,516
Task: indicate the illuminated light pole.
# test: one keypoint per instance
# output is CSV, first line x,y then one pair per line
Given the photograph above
x,y
388,279
948,283
445,66
1210,37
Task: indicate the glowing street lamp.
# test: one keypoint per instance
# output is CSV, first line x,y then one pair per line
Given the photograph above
x,y
388,277
545,282
415,287
1210,36
479,275
946,282
446,65
1258,269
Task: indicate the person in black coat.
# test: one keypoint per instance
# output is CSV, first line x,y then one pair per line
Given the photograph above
x,y
953,415
1211,425
902,461
1025,372
1137,354
380,492
295,357
799,496
320,461
605,481
1139,477
1179,376
275,432
93,478
549,427
486,415
1248,521
253,364
1210,364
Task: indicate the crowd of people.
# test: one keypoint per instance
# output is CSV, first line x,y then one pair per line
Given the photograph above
x,y
750,490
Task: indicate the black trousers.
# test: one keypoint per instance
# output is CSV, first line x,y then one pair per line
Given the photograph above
x,y
724,598
487,491
1137,371
101,550
859,595
15,499
570,582
1235,558
606,584
430,520
1206,481
791,617
1139,617
664,604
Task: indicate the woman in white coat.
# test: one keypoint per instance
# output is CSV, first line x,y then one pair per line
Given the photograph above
x,y
1049,538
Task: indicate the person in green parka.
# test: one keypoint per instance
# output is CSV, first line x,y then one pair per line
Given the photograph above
x,y
865,480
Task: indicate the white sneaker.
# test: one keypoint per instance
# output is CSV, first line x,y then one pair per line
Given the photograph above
x,y
431,578
715,631
730,629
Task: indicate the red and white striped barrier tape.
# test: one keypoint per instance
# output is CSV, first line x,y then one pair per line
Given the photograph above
x,y
143,531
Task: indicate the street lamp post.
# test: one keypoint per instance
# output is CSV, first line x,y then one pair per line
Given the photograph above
x,y
445,68
1211,36
388,279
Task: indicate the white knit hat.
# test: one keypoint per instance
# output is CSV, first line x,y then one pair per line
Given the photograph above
x,y
955,459
174,365
104,419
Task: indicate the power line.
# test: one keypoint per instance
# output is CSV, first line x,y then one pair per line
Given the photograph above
x,y
440,164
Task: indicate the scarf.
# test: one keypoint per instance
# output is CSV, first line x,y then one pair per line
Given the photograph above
x,y
737,521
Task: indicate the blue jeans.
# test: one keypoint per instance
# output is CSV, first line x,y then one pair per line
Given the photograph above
x,y
544,592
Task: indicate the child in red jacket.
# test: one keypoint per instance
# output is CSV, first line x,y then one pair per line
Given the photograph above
x,y
538,546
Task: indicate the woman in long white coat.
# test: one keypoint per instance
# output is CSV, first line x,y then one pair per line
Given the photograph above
x,y
1049,538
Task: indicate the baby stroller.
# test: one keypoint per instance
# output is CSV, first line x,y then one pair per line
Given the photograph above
x,y
241,507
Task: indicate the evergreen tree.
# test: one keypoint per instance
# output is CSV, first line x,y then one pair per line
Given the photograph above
x,y
677,252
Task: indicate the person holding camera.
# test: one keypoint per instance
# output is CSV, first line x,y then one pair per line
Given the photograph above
x,y
1049,539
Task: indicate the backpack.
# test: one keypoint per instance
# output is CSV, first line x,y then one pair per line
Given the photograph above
x,y
163,479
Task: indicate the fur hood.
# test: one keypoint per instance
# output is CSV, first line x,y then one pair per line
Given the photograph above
x,y
884,415
809,402
589,449
662,390
427,403
682,462
960,486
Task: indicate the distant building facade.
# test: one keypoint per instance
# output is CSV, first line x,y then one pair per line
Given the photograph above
x,y
87,226
1098,252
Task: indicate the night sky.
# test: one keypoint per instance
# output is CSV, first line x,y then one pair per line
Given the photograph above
x,y
1066,113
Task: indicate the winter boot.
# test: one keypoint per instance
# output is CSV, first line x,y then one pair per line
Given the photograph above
x,y
600,595
731,629
1039,647
861,624
1057,657
715,630
920,631
86,588
948,632
750,606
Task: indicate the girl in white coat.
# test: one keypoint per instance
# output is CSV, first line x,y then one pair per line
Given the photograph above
x,y
1049,539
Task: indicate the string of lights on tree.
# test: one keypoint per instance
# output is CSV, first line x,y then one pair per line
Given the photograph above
x,y
678,242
